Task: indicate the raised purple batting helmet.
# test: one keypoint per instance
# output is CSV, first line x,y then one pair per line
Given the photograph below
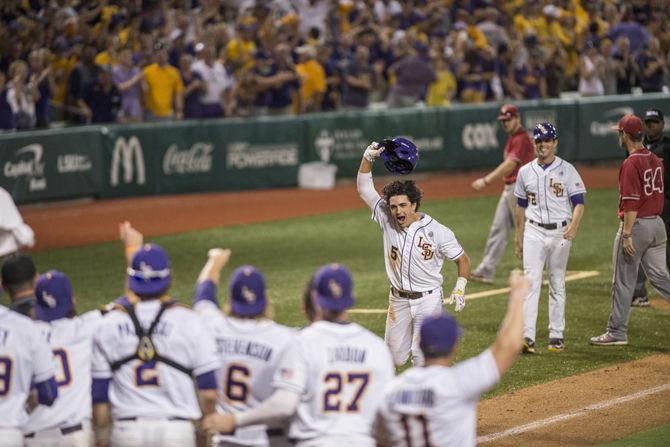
x,y
400,155
544,132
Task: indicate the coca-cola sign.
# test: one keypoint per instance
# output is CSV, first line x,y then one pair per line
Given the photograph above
x,y
195,160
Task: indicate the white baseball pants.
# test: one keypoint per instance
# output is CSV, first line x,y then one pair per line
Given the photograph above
x,y
54,438
11,437
403,325
540,247
146,432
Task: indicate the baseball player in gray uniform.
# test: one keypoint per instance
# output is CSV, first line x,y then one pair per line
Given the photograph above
x,y
148,354
641,239
70,336
25,360
249,343
550,205
331,377
436,405
415,247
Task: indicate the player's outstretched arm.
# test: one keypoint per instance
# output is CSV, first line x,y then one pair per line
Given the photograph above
x,y
509,341
132,239
364,183
503,169
210,275
369,156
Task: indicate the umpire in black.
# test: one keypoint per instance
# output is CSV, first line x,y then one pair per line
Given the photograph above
x,y
659,144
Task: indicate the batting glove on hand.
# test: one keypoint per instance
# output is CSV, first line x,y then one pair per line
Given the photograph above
x,y
372,151
458,295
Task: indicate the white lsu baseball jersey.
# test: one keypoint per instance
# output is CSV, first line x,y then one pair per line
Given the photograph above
x,y
154,389
250,351
339,369
548,190
71,341
25,358
436,405
413,256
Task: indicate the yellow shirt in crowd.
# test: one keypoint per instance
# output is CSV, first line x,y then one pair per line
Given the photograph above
x,y
162,84
313,79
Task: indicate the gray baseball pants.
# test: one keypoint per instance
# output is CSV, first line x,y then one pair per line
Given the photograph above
x,y
649,240
503,223
640,289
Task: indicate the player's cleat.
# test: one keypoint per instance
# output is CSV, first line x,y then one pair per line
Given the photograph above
x,y
478,277
640,301
528,346
607,339
556,345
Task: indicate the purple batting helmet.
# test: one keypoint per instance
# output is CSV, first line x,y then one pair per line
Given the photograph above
x,y
53,296
333,286
247,292
149,271
400,155
439,334
544,132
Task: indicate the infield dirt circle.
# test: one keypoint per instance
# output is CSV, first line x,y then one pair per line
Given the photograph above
x,y
587,409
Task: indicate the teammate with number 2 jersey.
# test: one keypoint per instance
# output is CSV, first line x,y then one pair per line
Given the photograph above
x,y
641,237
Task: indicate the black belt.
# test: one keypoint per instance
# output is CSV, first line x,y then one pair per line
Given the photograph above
x,y
551,226
63,431
409,295
274,432
135,418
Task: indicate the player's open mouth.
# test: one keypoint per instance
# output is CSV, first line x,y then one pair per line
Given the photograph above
x,y
401,219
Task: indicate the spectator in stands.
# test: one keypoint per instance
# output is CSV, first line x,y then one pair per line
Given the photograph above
x,y
241,49
358,80
609,66
312,79
652,67
164,98
7,122
554,70
413,73
313,14
218,84
531,77
443,89
625,66
495,34
42,77
590,83
636,34
193,87
62,64
21,95
476,72
128,78
279,84
82,73
332,98
101,100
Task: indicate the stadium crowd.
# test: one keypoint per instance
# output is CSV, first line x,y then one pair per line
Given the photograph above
x,y
149,60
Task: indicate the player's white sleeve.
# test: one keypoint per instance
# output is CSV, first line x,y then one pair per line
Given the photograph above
x,y
575,183
206,357
292,372
366,189
519,188
100,369
43,360
447,244
281,405
477,375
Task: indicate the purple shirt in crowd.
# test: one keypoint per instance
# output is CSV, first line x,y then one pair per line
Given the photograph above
x,y
131,99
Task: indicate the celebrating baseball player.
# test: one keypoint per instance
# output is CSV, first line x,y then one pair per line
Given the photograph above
x,y
250,346
550,206
641,239
146,358
659,144
70,337
14,232
437,404
518,151
330,378
415,246
25,361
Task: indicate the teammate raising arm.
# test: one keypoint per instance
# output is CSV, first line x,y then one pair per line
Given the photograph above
x,y
415,247
550,205
437,404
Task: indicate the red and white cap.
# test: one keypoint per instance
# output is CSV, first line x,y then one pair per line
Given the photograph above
x,y
630,124
507,112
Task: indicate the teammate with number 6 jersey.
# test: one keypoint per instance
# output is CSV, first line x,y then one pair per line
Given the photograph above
x,y
250,346
415,247
641,238
68,421
330,378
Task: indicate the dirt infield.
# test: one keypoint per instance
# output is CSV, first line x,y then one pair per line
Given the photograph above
x,y
566,400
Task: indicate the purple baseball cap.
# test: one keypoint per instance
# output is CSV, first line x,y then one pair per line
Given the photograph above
x,y
149,272
333,287
247,291
53,296
439,334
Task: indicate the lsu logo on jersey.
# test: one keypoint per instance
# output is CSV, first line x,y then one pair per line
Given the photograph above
x,y
426,249
557,187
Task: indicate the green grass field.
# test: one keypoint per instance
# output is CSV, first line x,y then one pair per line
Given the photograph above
x,y
288,252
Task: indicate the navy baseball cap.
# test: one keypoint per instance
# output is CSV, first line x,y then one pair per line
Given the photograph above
x,y
439,334
654,115
247,292
53,296
334,287
149,271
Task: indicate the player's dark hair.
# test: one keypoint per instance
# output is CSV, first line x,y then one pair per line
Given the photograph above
x,y
307,300
18,273
403,188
